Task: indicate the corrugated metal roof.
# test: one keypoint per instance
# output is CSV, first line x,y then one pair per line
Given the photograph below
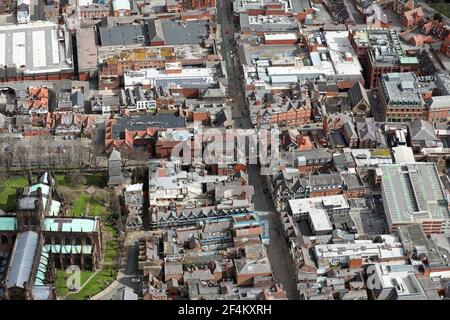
x,y
22,260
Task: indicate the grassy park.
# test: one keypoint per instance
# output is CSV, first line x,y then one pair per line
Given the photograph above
x,y
8,189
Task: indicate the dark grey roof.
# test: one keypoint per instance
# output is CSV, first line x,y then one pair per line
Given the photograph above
x,y
115,169
77,99
326,179
369,130
223,118
190,32
300,5
313,154
336,138
23,255
349,129
116,180
352,181
163,120
358,93
123,35
173,268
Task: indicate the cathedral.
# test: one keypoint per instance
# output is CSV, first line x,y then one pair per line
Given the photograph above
x,y
39,238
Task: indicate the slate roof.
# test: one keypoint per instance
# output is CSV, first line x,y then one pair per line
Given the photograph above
x,y
77,99
358,93
123,35
163,120
327,179
422,130
22,259
190,32
369,130
173,268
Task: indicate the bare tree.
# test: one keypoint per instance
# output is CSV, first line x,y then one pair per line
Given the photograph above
x,y
23,155
6,160
95,160
38,150
80,151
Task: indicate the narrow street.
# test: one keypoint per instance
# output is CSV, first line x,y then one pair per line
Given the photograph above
x,y
278,252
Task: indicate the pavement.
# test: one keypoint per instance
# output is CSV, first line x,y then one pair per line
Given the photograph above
x,y
280,259
128,269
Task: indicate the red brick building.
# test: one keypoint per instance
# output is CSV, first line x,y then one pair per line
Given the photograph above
x,y
411,17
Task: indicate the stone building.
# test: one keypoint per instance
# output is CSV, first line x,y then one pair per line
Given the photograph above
x,y
38,238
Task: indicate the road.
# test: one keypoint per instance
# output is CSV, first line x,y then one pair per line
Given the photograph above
x,y
278,253
128,270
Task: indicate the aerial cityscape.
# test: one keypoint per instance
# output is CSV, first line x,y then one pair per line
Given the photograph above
x,y
224,150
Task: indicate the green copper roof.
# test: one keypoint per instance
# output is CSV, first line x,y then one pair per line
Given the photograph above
x,y
44,188
8,223
54,209
68,249
408,60
70,225
42,268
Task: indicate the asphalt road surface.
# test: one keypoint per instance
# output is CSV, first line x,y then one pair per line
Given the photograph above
x,y
278,253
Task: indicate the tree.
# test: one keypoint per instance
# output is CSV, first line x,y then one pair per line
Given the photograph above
x,y
438,17
6,160
23,155
76,178
37,150
441,165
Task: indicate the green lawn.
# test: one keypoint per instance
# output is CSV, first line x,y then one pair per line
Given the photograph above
x,y
442,7
79,205
61,281
97,208
106,276
111,252
91,179
111,230
8,191
99,282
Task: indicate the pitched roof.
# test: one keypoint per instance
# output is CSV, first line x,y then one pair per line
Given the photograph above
x,y
358,93
77,98
422,130
23,256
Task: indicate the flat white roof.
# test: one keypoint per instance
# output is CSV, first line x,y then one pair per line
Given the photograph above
x,y
280,36
339,45
151,76
362,248
403,154
308,204
319,220
34,47
325,68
